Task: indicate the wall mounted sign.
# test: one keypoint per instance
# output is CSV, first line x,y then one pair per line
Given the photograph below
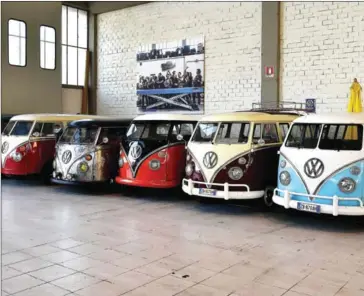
x,y
269,71
311,105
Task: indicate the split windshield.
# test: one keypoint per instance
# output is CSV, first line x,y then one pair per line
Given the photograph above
x,y
148,130
226,133
79,136
334,136
18,128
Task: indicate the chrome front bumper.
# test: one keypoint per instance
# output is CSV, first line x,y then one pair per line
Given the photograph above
x,y
333,209
189,188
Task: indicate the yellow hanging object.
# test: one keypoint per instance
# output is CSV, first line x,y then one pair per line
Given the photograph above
x,y
355,98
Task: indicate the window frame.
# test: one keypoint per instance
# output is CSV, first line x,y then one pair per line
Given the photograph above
x,y
26,42
67,85
55,47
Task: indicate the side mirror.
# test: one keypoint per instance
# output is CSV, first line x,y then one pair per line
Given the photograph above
x,y
179,137
105,140
261,142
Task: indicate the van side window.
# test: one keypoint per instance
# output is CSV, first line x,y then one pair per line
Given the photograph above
x,y
185,129
283,127
233,133
48,129
37,129
269,134
257,133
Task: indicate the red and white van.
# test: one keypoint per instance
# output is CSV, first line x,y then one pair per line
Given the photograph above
x,y
151,154
28,143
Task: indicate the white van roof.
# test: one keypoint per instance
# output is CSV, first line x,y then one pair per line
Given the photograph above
x,y
167,117
343,118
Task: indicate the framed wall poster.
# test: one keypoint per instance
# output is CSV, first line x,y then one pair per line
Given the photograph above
x,y
171,76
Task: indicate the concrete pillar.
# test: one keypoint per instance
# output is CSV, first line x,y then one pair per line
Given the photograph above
x,y
92,41
270,52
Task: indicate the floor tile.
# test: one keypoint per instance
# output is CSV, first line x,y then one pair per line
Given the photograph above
x,y
105,271
131,279
67,243
194,274
41,250
316,287
356,282
280,279
107,255
60,257
52,273
76,281
86,249
350,292
166,286
201,290
20,283
81,263
103,288
45,289
30,265
8,272
257,289
14,257
131,261
225,282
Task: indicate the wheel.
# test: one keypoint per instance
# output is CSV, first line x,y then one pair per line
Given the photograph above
x,y
268,196
46,173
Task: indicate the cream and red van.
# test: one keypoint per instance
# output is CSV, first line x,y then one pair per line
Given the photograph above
x,y
234,155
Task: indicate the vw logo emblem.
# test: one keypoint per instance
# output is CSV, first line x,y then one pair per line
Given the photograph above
x,y
135,151
314,168
4,147
66,156
210,159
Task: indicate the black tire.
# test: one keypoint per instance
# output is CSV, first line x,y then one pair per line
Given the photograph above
x,y
268,197
46,173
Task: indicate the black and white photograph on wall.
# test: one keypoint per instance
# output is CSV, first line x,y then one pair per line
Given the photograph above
x,y
170,76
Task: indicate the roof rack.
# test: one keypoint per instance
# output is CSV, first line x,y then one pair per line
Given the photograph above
x,y
281,108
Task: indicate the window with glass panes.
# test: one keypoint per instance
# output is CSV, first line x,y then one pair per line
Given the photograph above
x,y
47,48
17,43
74,45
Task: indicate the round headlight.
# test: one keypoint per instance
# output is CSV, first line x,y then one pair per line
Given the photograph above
x,y
188,157
285,178
154,164
355,170
242,160
235,173
189,169
121,162
17,156
82,167
347,185
283,163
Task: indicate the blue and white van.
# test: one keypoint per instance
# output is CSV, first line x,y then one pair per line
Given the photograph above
x,y
321,165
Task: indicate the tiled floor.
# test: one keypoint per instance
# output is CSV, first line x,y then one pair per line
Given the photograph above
x,y
64,241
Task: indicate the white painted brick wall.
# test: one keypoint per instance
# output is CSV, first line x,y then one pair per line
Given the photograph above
x,y
232,50
322,51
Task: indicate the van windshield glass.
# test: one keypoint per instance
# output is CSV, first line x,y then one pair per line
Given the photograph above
x,y
303,135
205,132
79,136
148,130
233,133
18,128
341,137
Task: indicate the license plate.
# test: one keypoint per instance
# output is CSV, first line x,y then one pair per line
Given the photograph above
x,y
308,207
211,192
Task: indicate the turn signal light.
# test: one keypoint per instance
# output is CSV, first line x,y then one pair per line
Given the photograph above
x,y
22,148
162,154
88,157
